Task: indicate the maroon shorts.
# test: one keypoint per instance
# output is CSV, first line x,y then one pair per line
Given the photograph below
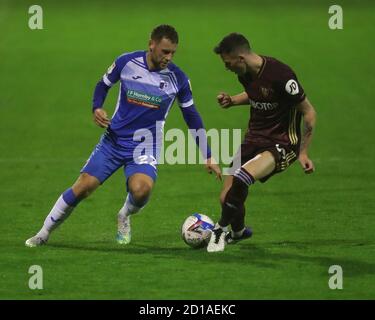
x,y
284,155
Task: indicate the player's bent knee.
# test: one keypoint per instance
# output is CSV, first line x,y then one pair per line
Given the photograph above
x,y
85,185
140,191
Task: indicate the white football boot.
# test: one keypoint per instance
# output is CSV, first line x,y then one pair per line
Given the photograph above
x,y
217,240
35,241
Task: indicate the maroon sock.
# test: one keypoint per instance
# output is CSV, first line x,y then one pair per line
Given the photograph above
x,y
233,208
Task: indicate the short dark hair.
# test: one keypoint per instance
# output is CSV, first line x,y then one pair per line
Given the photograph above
x,y
164,31
232,42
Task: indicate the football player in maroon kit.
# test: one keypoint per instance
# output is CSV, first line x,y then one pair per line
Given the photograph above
x,y
273,140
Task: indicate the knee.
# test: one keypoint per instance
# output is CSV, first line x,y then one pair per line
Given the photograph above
x,y
140,191
82,191
84,186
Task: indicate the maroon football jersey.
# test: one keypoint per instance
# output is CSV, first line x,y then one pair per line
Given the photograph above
x,y
273,96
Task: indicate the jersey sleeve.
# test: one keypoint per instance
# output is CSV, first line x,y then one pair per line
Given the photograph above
x,y
291,89
184,95
113,73
195,124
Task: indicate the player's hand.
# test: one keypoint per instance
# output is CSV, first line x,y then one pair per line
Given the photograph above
x,y
224,100
306,163
212,166
101,118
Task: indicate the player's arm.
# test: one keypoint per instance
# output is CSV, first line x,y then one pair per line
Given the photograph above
x,y
293,92
196,127
101,90
195,123
99,114
227,101
309,119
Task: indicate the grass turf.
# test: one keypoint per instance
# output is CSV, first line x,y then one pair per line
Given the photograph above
x,y
302,224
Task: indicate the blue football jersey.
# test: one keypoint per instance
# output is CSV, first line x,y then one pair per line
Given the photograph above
x,y
145,96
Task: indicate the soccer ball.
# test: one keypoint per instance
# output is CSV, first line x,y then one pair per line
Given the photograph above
x,y
196,230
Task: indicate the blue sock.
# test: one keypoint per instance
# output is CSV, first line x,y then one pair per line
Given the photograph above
x,y
70,198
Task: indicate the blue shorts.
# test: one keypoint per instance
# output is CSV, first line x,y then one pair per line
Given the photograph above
x,y
108,156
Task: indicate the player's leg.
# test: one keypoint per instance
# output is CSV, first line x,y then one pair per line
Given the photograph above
x,y
233,208
283,157
239,231
141,179
227,185
139,189
64,206
100,166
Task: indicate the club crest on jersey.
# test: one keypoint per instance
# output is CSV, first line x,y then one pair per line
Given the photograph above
x,y
163,85
266,92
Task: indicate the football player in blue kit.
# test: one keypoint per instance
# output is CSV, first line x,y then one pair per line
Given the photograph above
x,y
149,85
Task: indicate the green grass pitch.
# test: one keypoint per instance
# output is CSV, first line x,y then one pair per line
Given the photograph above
x,y
302,224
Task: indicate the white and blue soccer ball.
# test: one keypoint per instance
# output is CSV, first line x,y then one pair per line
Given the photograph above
x,y
196,230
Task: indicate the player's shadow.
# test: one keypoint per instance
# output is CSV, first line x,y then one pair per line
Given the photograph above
x,y
262,255
103,246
